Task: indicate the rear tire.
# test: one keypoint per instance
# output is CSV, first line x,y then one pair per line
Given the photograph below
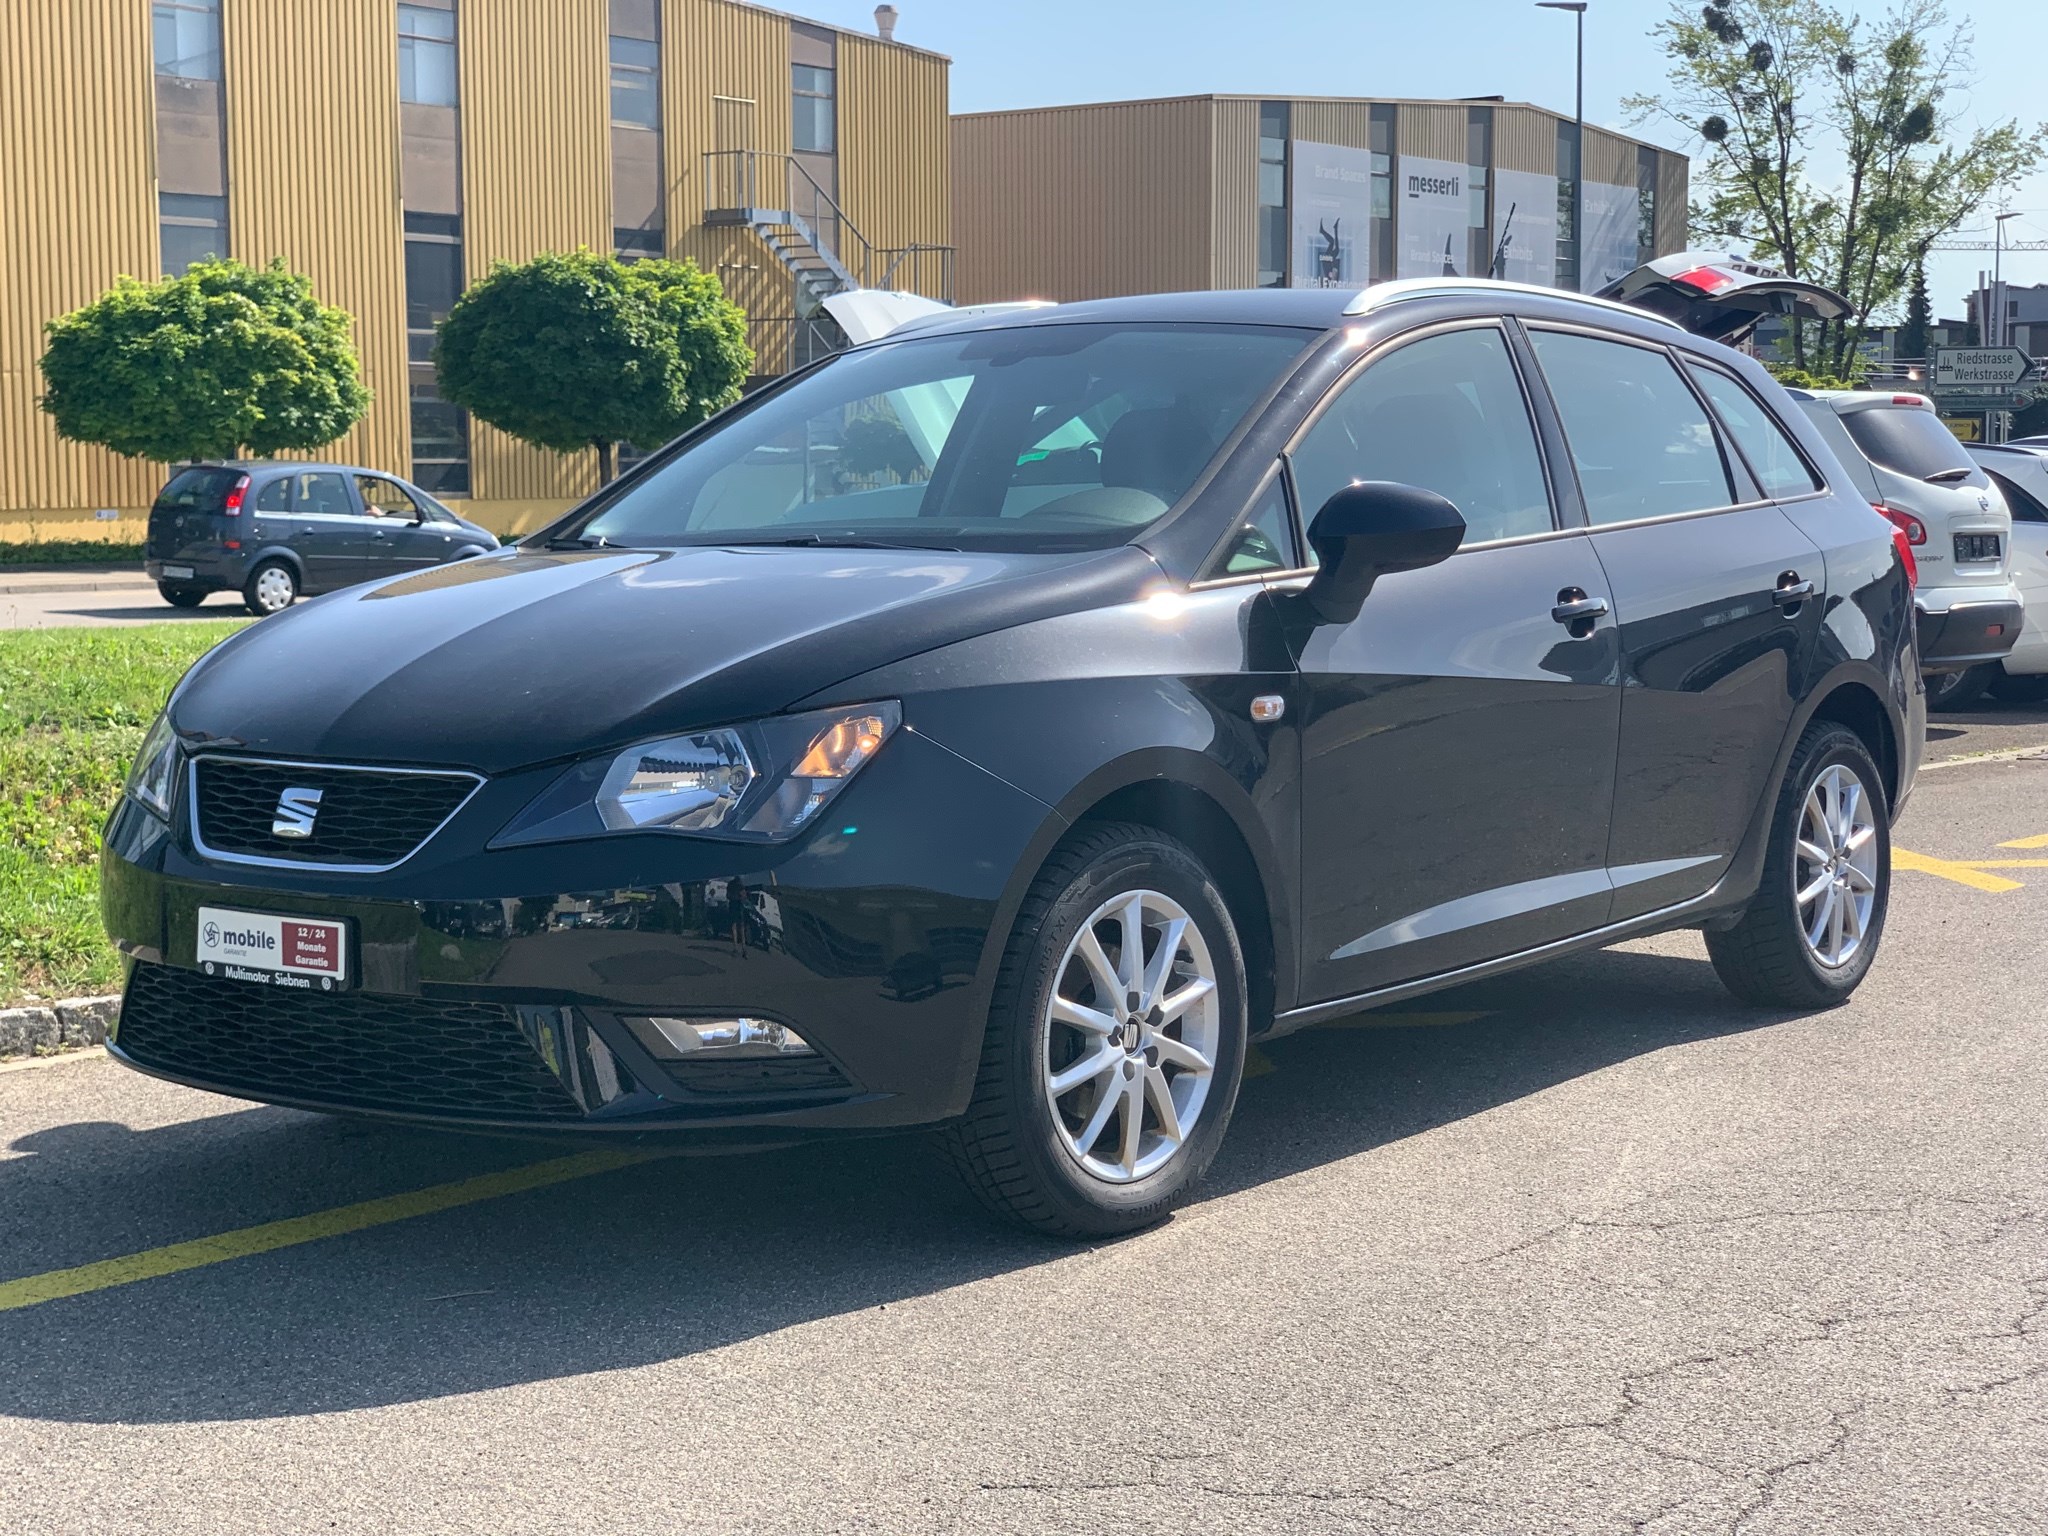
x,y
1959,690
1792,953
1067,1159
2030,689
272,587
180,596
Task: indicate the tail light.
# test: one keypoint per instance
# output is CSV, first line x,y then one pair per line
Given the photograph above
x,y
1705,279
1907,531
231,505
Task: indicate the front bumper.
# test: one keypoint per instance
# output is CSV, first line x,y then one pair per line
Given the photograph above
x,y
491,985
1966,633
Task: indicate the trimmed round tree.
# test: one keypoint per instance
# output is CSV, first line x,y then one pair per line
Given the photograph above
x,y
579,351
224,361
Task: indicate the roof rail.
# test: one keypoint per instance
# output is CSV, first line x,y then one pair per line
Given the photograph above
x,y
1382,294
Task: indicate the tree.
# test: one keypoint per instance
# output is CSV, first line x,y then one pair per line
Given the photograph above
x,y
1919,315
579,351
227,359
1774,87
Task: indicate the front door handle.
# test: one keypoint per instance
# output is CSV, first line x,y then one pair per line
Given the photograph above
x,y
1578,612
1791,591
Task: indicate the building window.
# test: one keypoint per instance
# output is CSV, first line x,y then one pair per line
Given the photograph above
x,y
1273,125
1382,192
812,127
186,36
433,282
1567,176
636,83
190,229
1646,204
426,55
1478,221
638,244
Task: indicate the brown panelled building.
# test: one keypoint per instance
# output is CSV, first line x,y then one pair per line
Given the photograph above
x,y
393,149
1240,191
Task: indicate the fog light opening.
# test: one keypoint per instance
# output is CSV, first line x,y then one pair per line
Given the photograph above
x,y
679,1039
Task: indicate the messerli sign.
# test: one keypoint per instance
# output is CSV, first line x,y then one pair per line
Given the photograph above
x,y
1979,370
1436,212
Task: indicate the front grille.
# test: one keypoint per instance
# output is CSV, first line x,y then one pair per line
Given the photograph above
x,y
370,817
351,1050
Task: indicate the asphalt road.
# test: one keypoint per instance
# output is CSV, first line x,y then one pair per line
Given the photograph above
x,y
67,600
1589,1249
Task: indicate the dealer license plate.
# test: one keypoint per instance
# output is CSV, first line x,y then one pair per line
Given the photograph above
x,y
305,952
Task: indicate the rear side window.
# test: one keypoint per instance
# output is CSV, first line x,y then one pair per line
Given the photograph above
x,y
1910,440
2026,507
324,492
197,490
276,496
1642,443
1779,468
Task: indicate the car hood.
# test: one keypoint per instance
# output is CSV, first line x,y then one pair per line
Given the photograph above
x,y
520,658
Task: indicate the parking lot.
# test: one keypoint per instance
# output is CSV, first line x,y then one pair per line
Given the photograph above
x,y
1586,1249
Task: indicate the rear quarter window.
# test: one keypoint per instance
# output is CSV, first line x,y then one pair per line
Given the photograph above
x,y
197,490
1911,441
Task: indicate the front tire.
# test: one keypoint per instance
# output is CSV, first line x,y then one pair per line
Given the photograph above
x,y
273,587
179,596
1811,932
1115,1040
1959,690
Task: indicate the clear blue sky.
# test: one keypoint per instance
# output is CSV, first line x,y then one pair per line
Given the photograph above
x,y
1007,53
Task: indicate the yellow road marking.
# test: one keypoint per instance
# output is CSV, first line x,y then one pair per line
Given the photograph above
x,y
2007,863
32,1290
2038,840
1949,869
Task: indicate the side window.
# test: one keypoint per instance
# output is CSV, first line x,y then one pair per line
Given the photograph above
x,y
1263,539
1643,444
322,492
384,498
1445,413
1779,468
2026,507
275,496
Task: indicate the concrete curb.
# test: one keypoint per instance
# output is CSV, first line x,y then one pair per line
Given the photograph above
x,y
44,1028
23,583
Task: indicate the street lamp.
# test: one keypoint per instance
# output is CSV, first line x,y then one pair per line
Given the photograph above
x,y
1578,7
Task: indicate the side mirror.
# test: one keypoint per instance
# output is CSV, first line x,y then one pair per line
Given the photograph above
x,y
1368,529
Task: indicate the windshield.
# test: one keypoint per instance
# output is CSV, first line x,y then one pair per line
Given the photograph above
x,y
1042,438
1912,441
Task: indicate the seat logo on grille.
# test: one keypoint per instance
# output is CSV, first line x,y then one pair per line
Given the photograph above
x,y
296,809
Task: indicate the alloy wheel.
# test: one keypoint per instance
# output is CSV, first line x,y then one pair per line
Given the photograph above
x,y
1835,868
1131,1037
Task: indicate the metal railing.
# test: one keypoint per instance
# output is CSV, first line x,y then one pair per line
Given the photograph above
x,y
784,342
768,188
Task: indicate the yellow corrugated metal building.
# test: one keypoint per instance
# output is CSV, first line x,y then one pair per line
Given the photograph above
x,y
1089,201
392,150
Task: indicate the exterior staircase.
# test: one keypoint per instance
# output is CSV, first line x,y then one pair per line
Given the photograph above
x,y
810,235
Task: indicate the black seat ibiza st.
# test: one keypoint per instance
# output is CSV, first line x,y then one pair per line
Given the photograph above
x,y
998,725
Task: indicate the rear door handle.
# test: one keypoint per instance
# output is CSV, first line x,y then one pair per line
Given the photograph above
x,y
1791,590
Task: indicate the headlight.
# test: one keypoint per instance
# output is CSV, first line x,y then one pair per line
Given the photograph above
x,y
150,781
760,782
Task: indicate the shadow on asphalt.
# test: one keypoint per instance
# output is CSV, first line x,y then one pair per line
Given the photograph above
x,y
688,1254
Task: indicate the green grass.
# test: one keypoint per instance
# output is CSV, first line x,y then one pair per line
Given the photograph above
x,y
73,706
68,552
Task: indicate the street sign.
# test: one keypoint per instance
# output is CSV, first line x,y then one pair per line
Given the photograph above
x,y
1979,370
1957,403
1969,429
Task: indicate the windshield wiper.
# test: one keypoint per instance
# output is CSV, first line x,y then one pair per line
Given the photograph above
x,y
1942,475
828,541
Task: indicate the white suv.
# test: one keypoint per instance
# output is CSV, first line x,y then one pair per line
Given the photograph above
x,y
2021,475
1914,471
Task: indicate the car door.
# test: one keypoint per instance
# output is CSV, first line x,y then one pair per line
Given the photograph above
x,y
1458,736
329,533
402,536
1718,596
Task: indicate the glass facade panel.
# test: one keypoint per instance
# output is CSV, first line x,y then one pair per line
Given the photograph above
x,y
185,35
190,229
426,56
812,119
636,82
1273,132
1382,192
1479,224
1567,177
1646,203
